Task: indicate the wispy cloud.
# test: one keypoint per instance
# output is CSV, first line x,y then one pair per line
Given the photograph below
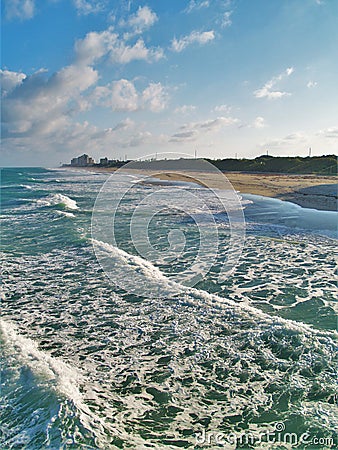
x,y
311,84
294,141
197,5
299,142
124,124
19,9
184,109
267,91
195,37
182,136
330,133
214,124
191,131
222,108
226,21
85,7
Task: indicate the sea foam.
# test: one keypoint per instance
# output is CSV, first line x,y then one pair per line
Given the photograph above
x,y
58,199
64,378
193,296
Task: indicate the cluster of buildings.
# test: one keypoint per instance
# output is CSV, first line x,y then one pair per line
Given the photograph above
x,y
87,161
82,161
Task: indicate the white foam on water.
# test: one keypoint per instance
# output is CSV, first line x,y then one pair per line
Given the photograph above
x,y
13,186
147,268
123,332
193,295
66,379
58,199
65,213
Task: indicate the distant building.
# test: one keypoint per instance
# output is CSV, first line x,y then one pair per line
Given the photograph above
x,y
82,161
104,161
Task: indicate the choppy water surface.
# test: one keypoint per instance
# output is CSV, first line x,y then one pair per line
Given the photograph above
x,y
87,365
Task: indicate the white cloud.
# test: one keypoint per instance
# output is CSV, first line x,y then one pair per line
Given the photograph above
x,y
73,79
38,104
68,139
122,95
154,97
259,122
10,80
95,45
143,19
119,96
19,9
194,37
222,108
194,5
38,111
123,54
267,90
184,109
226,21
311,84
86,7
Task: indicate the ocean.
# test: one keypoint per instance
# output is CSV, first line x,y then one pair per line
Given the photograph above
x,y
133,357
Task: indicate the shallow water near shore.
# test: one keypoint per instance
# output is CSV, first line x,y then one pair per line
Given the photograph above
x,y
86,364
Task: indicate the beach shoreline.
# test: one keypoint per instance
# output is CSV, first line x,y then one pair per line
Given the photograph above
x,y
306,190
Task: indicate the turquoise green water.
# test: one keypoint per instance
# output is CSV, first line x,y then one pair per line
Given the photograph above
x,y
87,365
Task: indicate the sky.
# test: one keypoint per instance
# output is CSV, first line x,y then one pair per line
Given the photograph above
x,y
128,79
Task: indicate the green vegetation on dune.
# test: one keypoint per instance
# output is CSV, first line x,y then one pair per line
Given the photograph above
x,y
321,165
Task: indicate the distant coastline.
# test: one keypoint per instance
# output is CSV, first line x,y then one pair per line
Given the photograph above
x,y
319,165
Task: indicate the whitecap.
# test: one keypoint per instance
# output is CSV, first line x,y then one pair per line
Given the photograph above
x,y
58,199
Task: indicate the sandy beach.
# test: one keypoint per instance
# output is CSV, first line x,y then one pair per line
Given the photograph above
x,y
308,191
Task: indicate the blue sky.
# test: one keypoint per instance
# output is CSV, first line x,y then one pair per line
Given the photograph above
x,y
115,78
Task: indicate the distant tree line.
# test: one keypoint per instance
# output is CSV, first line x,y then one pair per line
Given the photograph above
x,y
321,165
